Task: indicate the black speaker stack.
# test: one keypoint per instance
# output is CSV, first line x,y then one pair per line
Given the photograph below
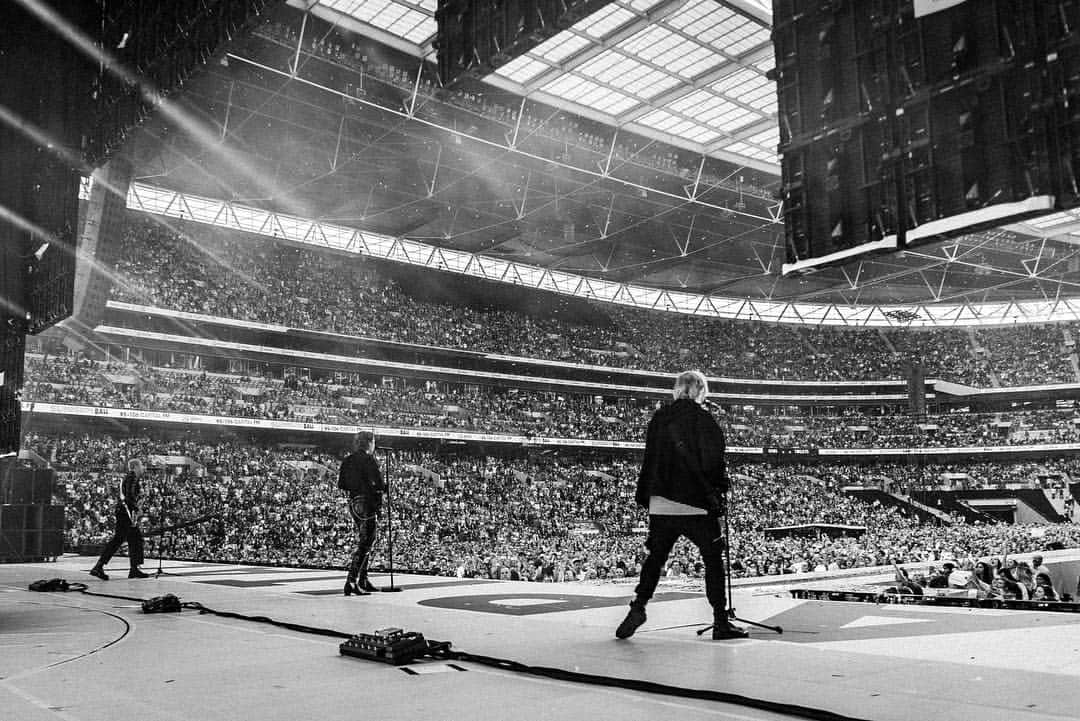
x,y
31,527
899,116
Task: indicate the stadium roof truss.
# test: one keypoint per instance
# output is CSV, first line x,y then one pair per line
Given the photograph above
x,y
690,73
220,213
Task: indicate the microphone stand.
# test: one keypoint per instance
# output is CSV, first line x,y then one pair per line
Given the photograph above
x,y
727,582
728,591
389,523
163,515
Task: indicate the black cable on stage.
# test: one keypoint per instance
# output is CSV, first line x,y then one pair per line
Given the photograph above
x,y
118,639
196,606
441,651
84,589
629,684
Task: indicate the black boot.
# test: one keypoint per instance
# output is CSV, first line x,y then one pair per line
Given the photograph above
x,y
351,589
633,620
99,572
366,585
137,573
723,629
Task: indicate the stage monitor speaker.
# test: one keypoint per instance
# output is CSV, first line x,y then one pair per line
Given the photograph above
x,y
17,485
42,485
13,517
51,543
53,518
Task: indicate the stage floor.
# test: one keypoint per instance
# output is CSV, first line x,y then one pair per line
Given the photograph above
x,y
76,657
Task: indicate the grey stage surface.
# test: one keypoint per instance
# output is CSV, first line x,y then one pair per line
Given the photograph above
x,y
76,657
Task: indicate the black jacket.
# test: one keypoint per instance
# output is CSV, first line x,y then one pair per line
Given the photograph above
x,y
130,490
684,457
359,476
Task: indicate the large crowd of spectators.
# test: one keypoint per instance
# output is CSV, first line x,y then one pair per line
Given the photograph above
x,y
239,276
405,403
547,517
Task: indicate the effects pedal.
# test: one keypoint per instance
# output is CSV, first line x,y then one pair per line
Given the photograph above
x,y
387,645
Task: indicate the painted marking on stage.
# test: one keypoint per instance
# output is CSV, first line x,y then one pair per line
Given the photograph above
x,y
840,621
883,621
529,604
524,602
427,669
336,591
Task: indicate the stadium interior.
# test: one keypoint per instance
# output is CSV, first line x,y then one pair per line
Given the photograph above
x,y
237,232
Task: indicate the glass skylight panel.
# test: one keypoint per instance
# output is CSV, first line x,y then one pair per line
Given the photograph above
x,y
701,134
423,31
677,54
737,35
347,7
414,21
609,101
522,69
739,83
389,15
767,63
623,72
693,11
366,11
665,122
767,139
713,110
730,34
564,86
693,62
719,27
748,88
604,21
406,23
661,119
561,47
750,151
695,102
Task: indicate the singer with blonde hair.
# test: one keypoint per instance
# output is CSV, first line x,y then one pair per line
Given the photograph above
x,y
682,483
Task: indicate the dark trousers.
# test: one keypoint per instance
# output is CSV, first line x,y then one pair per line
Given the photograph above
x,y
364,516
705,533
126,532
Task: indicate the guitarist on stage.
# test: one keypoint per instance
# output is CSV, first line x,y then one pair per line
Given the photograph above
x,y
127,529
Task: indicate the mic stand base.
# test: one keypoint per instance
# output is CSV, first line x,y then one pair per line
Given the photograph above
x,y
390,589
733,617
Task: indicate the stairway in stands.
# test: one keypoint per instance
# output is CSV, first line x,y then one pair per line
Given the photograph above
x,y
982,356
1070,346
907,505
